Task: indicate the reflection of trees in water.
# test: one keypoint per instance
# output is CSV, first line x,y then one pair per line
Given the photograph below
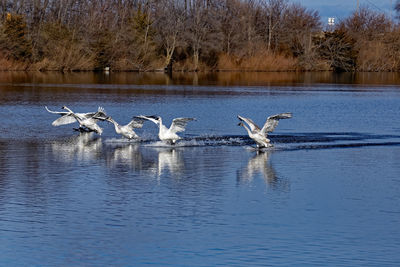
x,y
83,147
260,165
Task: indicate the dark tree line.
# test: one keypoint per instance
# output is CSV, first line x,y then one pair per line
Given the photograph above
x,y
191,35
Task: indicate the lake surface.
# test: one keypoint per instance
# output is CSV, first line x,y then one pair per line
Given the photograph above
x,y
327,194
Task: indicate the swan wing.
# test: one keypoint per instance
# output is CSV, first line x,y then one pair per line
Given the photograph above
x,y
179,124
136,123
249,122
149,118
272,121
100,115
66,119
86,115
62,113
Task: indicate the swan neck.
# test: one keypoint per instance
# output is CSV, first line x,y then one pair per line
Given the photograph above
x,y
162,128
247,129
116,125
113,121
68,109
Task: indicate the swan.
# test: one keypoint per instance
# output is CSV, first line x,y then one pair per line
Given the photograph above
x,y
260,135
89,122
127,130
168,134
67,118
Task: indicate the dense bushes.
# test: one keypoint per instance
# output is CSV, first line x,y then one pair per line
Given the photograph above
x,y
14,42
263,35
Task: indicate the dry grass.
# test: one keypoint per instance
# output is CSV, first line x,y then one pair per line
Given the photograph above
x,y
187,65
11,65
66,58
262,60
125,64
374,56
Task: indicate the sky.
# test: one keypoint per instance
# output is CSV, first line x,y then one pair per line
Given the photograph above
x,y
340,9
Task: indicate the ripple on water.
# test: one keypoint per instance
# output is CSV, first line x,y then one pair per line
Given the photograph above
x,y
326,194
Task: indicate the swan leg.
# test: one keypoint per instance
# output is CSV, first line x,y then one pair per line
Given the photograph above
x,y
82,130
171,142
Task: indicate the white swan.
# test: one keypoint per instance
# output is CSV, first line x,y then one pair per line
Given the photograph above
x,y
127,130
260,135
89,122
168,134
67,118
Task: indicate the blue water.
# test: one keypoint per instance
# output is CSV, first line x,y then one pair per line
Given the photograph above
x,y
327,194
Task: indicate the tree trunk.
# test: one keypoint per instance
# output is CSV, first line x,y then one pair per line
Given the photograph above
x,y
196,59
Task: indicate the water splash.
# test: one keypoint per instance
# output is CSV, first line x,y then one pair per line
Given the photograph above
x,y
294,141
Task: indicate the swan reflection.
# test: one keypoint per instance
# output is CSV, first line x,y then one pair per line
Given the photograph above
x,y
169,159
128,154
259,164
83,147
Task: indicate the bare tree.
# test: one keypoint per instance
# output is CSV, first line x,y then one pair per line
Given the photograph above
x,y
367,24
230,25
169,24
275,13
135,34
201,32
338,49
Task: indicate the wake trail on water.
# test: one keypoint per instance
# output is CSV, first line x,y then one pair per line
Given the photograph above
x,y
293,141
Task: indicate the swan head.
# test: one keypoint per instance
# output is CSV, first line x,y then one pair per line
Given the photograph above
x,y
157,119
65,107
154,117
240,124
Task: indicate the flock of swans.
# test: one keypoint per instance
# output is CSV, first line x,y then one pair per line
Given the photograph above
x,y
88,123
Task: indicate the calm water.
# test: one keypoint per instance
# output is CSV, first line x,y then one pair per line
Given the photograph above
x,y
328,194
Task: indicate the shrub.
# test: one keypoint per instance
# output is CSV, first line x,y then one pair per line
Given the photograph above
x,y
13,39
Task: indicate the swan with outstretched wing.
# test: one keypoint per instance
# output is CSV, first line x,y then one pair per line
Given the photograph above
x,y
87,121
168,134
90,122
259,135
67,117
127,130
